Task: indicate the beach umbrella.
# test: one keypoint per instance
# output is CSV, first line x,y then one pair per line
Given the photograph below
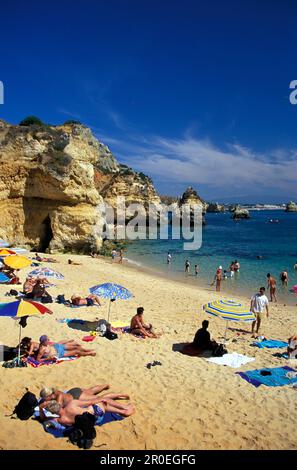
x,y
229,310
3,278
6,252
17,262
18,249
46,272
3,244
22,309
112,292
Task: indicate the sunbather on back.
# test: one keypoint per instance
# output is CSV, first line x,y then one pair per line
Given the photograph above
x,y
48,350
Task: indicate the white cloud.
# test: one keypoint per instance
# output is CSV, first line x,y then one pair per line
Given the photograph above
x,y
230,170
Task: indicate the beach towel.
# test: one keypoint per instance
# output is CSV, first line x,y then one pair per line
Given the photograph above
x,y
231,359
270,343
34,363
69,320
277,377
127,330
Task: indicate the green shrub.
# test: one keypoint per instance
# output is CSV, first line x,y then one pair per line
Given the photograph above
x,y
31,121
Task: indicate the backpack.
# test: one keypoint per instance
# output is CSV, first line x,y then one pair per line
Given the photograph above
x,y
110,335
219,351
83,433
25,407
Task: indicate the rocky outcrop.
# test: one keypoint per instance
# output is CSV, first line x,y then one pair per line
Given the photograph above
x,y
215,207
190,197
291,207
48,198
240,213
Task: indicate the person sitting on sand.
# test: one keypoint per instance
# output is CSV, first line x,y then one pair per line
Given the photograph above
x,y
202,338
74,263
89,301
68,348
13,278
45,260
29,285
138,326
97,407
38,291
292,347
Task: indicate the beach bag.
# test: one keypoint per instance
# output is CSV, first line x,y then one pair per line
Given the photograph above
x,y
103,327
219,351
83,433
25,407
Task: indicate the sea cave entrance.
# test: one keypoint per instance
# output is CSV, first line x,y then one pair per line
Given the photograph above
x,y
46,235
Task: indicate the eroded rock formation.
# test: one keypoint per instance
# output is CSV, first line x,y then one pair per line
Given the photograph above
x,y
48,198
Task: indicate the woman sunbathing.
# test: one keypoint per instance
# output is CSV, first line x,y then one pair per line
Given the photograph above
x,y
68,348
45,260
88,301
63,398
97,407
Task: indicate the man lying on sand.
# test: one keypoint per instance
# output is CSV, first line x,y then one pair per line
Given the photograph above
x,y
88,301
97,407
59,350
45,260
138,326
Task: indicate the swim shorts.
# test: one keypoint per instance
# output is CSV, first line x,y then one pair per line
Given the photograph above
x,y
60,348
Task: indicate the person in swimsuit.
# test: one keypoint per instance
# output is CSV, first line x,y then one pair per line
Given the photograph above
x,y
97,407
284,278
138,326
63,398
28,347
67,348
218,279
88,301
272,287
45,260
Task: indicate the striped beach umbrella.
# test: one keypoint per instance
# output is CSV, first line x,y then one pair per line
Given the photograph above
x,y
46,272
17,262
229,310
20,309
6,252
112,292
3,244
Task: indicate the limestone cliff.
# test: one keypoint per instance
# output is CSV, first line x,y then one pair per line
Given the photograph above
x,y
48,198
215,207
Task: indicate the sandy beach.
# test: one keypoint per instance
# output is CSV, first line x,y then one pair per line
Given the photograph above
x,y
187,402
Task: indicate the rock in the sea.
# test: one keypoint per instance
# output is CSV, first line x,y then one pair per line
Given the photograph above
x,y
215,207
291,207
240,213
190,197
48,198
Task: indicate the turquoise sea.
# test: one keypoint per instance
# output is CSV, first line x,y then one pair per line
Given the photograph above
x,y
225,240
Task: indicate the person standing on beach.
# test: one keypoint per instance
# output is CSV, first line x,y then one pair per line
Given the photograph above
x,y
113,254
272,287
169,258
259,303
196,270
218,279
187,266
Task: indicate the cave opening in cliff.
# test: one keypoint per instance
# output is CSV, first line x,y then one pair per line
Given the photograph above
x,y
46,236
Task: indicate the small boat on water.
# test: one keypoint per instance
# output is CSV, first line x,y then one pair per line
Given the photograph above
x,y
273,221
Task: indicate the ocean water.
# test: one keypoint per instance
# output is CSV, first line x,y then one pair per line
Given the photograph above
x,y
225,240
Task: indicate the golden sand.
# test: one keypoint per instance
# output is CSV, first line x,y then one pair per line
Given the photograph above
x,y
187,402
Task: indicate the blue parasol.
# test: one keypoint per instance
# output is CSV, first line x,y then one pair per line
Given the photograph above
x,y
112,292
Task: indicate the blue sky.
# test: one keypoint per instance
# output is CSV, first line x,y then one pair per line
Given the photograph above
x,y
190,92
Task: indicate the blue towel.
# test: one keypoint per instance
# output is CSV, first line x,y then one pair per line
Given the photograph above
x,y
270,343
276,379
58,430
